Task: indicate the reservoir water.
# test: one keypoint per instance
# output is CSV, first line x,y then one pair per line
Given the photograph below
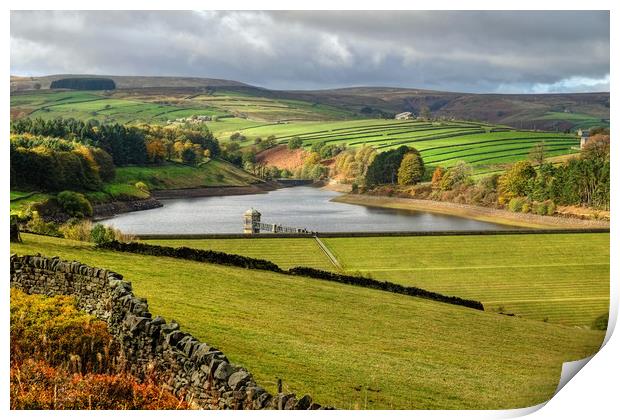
x,y
303,207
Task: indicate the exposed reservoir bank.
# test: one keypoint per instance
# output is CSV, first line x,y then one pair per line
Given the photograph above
x,y
304,207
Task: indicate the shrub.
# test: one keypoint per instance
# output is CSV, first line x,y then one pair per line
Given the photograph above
x,y
540,208
295,143
77,230
601,322
142,186
74,204
550,208
53,329
516,204
37,385
36,224
527,207
438,173
101,234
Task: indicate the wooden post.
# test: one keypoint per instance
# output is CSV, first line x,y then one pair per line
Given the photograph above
x,y
279,386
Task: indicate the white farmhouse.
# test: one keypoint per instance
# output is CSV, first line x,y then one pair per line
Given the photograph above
x,y
404,116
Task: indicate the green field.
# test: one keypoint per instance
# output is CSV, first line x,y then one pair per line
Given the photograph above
x,y
541,277
123,107
21,199
348,346
579,120
440,143
285,252
214,173
91,105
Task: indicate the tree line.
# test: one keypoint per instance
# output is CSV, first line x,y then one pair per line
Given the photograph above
x,y
54,164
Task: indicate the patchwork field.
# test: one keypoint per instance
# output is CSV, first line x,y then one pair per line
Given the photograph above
x,y
440,143
540,277
485,146
135,106
84,105
348,346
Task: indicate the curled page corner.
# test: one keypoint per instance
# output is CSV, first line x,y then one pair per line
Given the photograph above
x,y
569,370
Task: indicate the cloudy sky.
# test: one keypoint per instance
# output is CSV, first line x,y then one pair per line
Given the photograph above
x,y
512,52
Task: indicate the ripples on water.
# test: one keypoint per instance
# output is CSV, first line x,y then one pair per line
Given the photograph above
x,y
304,207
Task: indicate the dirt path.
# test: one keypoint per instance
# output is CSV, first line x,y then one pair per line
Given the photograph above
x,y
484,214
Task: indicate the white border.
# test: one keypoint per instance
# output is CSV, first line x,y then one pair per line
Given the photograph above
x,y
593,393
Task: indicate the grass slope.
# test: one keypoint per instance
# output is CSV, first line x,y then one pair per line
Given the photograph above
x,y
348,346
215,173
284,252
534,276
563,278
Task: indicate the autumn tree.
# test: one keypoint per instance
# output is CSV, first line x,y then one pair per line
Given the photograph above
x,y
516,181
438,173
156,151
411,169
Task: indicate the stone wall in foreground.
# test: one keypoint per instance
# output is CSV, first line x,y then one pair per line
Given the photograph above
x,y
151,347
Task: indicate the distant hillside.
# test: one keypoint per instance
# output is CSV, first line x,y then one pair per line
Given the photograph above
x,y
123,82
561,112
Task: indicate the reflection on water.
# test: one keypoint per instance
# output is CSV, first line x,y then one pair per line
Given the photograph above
x,y
304,207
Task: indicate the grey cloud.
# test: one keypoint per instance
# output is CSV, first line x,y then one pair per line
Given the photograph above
x,y
458,51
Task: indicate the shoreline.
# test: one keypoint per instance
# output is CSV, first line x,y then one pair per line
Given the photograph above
x,y
110,209
483,214
198,192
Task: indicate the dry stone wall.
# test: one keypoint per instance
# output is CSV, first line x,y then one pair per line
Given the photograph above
x,y
151,347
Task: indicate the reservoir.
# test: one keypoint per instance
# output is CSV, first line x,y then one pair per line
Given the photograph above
x,y
301,207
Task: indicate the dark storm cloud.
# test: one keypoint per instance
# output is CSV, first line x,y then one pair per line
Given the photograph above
x,y
459,51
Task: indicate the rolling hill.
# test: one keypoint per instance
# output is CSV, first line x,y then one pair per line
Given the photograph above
x,y
529,111
348,346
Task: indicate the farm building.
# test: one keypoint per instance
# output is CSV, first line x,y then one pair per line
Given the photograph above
x,y
404,116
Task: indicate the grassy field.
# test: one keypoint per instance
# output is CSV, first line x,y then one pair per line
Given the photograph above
x,y
562,278
125,108
348,346
579,119
286,253
540,277
444,143
485,146
21,199
215,173
172,175
92,105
